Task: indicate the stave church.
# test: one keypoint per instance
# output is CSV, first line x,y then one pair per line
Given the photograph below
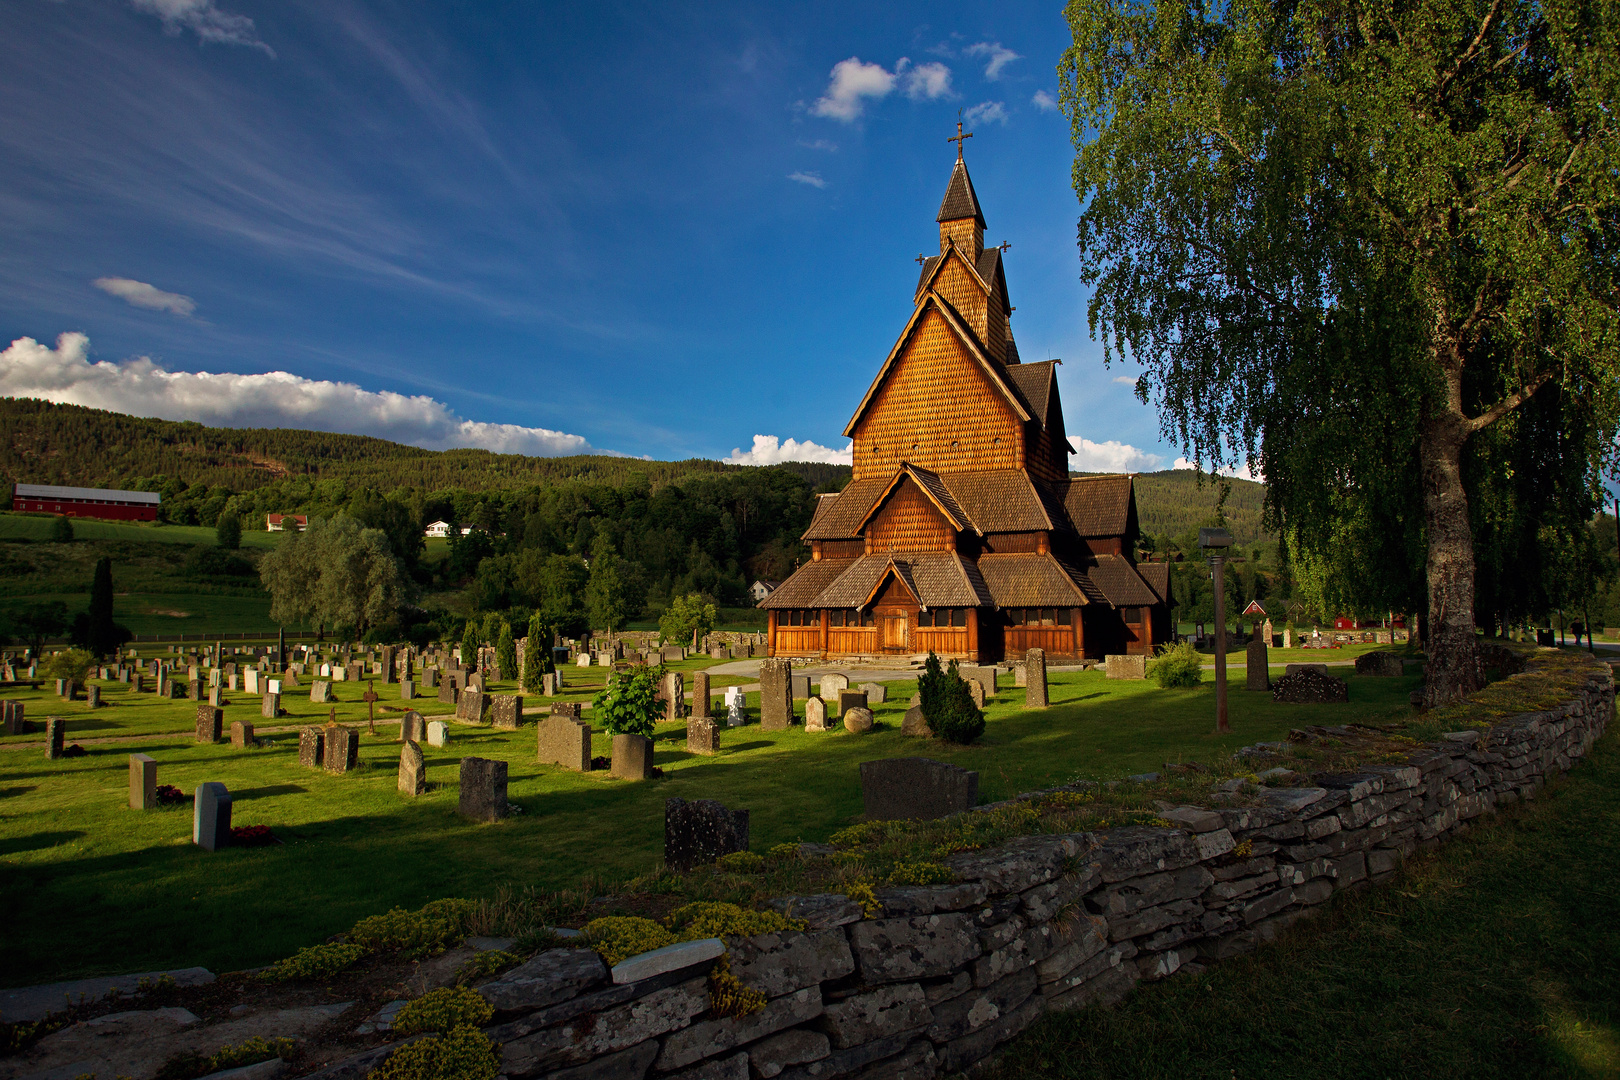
x,y
962,532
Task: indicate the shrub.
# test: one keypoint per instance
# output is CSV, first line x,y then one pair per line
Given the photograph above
x,y
617,937
947,703
420,933
444,1009
626,705
728,996
228,531
783,852
866,832
486,963
506,652
1179,667
187,1066
920,873
861,892
72,664
315,962
707,919
742,862
469,645
62,530
464,1054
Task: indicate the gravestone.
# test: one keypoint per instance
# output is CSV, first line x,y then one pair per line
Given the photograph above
x,y
702,736
210,723
483,789
736,706
407,690
916,724
674,696
387,664
250,681
354,672
717,652
447,692
273,686
92,696
290,680
672,653
342,749
475,682
1309,687
311,747
561,739
1035,679
142,782
1295,669
851,699
876,693
12,713
1257,672
985,676
270,707
340,674
194,690
858,720
832,684
584,660
241,734
700,694
470,706
815,714
697,833
548,684
775,694
1381,664
976,692
320,692
506,711
430,678
136,683
231,683
216,697
438,733
1288,638
1125,666
412,770
412,728
211,817
801,686
916,788
55,731
632,757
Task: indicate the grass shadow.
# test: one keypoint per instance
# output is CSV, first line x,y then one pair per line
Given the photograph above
x,y
18,844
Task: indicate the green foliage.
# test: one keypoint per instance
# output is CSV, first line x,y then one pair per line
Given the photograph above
x,y
464,1053
469,645
685,616
741,862
947,703
607,596
920,873
336,573
189,1066
1178,667
72,664
427,932
314,962
506,652
62,530
228,531
486,963
708,919
627,705
617,937
444,1009
536,655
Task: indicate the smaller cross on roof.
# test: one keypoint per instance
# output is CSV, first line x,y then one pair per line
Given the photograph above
x,y
958,138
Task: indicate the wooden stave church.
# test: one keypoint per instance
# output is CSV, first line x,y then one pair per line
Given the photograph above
x,y
961,531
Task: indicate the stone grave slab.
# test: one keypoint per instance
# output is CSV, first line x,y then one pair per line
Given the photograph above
x,y
916,788
438,733
775,694
211,816
483,789
702,736
142,782
632,757
1125,666
815,714
699,832
700,694
851,699
311,747
560,739
270,707
241,734
1035,696
342,749
1257,672
832,684
506,711
210,722
470,706
412,770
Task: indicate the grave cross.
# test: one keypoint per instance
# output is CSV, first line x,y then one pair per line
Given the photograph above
x,y
370,698
957,139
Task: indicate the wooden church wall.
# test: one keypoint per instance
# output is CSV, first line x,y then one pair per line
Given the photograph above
x,y
955,283
937,409
908,521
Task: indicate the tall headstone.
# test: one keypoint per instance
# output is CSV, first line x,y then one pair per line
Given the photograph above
x,y
412,770
447,692
700,694
210,722
470,706
216,696
699,832
775,694
506,711
899,789
142,782
250,681
92,696
342,749
562,739
311,747
1258,671
270,707
412,728
632,757
211,817
387,672
241,734
483,789
407,689
1035,679
12,712
815,714
674,696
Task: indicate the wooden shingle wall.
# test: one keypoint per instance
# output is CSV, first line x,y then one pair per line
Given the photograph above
x,y
937,409
967,234
908,521
957,284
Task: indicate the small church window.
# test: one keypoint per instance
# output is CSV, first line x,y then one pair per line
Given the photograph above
x,y
868,618
959,617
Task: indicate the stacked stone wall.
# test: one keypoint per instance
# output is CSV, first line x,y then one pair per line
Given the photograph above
x,y
946,973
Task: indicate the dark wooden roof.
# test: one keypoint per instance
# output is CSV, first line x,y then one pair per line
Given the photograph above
x,y
960,199
1000,500
1157,575
1034,381
1030,581
932,486
1120,583
936,579
806,583
1100,505
838,517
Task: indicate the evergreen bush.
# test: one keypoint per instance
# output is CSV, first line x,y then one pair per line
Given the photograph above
x,y
1178,667
506,652
947,703
469,645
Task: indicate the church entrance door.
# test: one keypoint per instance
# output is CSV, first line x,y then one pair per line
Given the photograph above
x,y
896,632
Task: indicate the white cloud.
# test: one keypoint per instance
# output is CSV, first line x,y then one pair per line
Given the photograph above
x,y
820,144
142,295
1000,56
769,450
986,112
1125,380
1045,101
852,83
140,387
925,81
812,178
1242,472
1111,457
210,24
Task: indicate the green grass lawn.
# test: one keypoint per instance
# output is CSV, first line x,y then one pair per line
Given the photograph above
x,y
95,887
14,526
1496,956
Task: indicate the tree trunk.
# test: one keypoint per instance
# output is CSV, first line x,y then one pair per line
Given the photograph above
x,y
1453,668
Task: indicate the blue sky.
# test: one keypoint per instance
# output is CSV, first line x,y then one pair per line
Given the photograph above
x,y
656,230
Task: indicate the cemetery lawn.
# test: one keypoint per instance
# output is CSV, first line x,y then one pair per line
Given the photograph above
x,y
1494,956
97,888
14,526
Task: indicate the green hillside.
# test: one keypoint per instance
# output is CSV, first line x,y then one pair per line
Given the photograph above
x,y
1171,502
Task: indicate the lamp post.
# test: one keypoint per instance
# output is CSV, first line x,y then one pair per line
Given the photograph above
x,y
1215,542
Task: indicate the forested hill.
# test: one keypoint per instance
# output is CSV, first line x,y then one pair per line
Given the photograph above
x,y
43,443
1170,503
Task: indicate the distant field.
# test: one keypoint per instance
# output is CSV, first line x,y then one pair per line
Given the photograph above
x,y
169,613
14,526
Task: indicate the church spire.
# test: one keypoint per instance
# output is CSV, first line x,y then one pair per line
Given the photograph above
x,y
959,216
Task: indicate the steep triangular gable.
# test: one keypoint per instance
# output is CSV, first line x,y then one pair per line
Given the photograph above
x,y
933,267
992,369
928,483
900,575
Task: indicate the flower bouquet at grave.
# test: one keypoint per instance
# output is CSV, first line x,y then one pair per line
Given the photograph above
x,y
252,836
169,795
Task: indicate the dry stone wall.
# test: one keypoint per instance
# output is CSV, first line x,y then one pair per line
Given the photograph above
x,y
946,973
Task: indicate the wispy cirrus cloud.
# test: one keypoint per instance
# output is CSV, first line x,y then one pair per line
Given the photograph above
x,y
1045,101
986,112
771,450
813,179
997,55
140,294
854,82
276,399
209,23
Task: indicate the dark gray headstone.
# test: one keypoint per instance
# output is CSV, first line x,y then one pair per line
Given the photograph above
x,y
211,817
413,728
700,693
632,757
851,699
775,694
55,730
92,695
1382,664
270,707
897,789
342,748
210,722
447,691
241,734
506,711
801,686
699,832
311,747
561,739
702,735
985,676
412,769
1257,675
483,789
12,713
1035,679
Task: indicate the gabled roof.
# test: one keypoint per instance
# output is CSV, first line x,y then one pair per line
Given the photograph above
x,y
806,583
838,517
1030,580
933,265
108,495
936,491
960,199
1120,582
1157,575
1100,505
1034,380
1000,500
991,367
936,579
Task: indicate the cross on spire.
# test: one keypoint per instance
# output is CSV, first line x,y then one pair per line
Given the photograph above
x,y
958,138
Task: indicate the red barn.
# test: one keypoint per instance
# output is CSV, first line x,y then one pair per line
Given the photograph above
x,y
86,502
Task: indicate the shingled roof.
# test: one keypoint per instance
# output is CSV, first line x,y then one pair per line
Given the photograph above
x,y
936,579
1101,505
932,486
960,199
1029,581
1157,575
806,583
1034,381
838,517
1120,582
999,500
